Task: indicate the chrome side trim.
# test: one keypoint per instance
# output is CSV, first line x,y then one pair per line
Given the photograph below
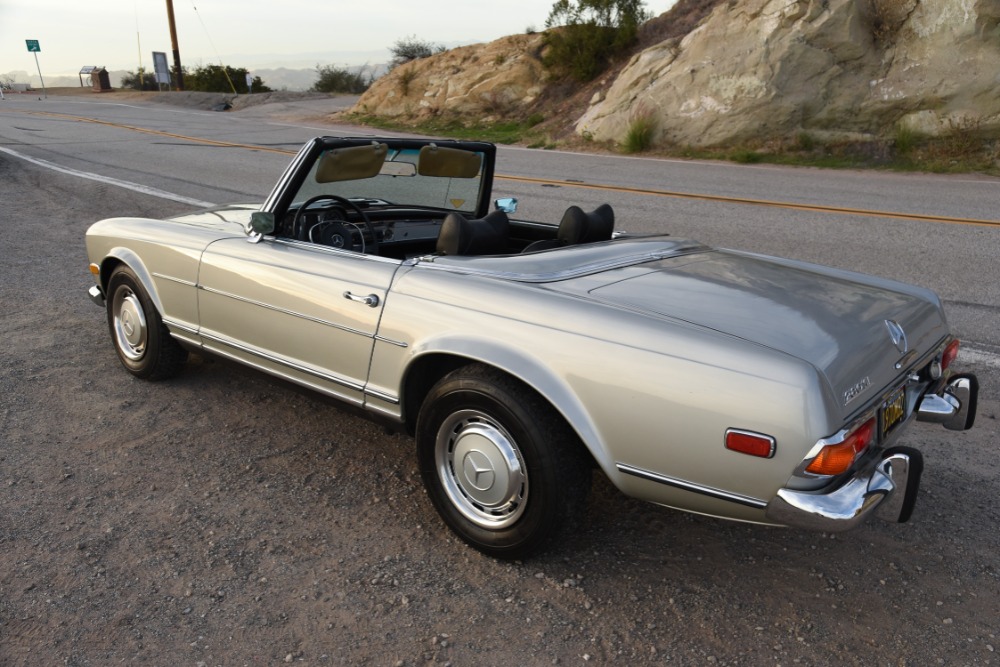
x,y
390,341
306,245
173,324
321,375
186,283
382,396
285,311
694,488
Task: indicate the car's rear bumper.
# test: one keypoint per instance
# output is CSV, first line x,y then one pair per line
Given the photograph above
x,y
889,488
954,407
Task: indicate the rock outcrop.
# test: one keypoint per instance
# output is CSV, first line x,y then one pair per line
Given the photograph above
x,y
762,69
484,80
752,71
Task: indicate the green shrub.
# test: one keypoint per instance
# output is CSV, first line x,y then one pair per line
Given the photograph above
x,y
592,33
905,139
411,48
641,132
219,79
333,79
139,80
746,156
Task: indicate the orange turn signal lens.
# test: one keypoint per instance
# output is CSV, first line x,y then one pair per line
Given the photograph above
x,y
837,458
95,269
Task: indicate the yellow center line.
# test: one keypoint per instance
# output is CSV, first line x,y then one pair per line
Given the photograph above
x,y
814,208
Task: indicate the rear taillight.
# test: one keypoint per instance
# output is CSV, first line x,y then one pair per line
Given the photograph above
x,y
836,458
949,354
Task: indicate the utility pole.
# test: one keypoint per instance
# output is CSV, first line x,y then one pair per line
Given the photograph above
x,y
173,45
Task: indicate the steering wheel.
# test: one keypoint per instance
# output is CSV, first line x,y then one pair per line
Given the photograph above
x,y
344,202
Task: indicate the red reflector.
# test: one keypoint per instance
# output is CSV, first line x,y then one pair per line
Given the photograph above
x,y
949,354
753,444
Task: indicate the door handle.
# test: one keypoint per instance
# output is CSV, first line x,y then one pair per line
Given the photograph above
x,y
371,300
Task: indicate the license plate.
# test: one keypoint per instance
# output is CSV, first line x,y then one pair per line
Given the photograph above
x,y
892,413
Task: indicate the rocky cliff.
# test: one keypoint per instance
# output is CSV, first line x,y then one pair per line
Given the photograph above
x,y
482,80
752,70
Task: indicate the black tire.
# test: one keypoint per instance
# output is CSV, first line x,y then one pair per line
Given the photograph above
x,y
502,468
141,340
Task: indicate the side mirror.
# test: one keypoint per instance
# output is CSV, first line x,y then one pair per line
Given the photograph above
x,y
507,204
261,223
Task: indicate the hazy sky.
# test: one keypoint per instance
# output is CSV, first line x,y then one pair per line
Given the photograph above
x,y
251,34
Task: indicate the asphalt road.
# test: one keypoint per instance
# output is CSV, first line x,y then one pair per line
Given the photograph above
x,y
219,519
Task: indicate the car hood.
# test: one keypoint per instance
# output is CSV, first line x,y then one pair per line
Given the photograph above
x,y
838,321
229,218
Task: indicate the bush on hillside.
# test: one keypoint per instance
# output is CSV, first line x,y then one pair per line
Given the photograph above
x,y
411,48
592,33
333,79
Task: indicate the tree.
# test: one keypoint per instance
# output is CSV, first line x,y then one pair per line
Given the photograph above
x,y
139,80
219,79
592,33
412,48
333,79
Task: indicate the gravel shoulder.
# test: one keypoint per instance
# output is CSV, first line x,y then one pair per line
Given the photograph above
x,y
222,518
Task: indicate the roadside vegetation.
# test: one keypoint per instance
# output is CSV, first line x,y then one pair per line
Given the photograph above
x,y
583,36
203,78
333,79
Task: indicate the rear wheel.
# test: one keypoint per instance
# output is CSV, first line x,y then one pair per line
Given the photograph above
x,y
501,467
141,340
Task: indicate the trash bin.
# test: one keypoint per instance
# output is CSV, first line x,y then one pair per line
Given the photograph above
x,y
100,80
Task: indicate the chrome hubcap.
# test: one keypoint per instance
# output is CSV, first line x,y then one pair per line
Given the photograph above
x,y
482,469
129,324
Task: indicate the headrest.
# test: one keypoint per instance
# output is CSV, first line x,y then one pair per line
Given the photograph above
x,y
577,226
485,236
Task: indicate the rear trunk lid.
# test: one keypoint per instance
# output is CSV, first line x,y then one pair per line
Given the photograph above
x,y
847,325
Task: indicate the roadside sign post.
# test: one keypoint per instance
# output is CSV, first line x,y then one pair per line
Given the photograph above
x,y
34,47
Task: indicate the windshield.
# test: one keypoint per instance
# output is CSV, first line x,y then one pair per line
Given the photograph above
x,y
445,178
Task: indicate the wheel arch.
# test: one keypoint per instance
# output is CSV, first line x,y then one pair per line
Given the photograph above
x,y
123,256
432,364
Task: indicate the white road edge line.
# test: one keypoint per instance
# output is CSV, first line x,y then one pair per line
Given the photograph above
x,y
978,356
128,185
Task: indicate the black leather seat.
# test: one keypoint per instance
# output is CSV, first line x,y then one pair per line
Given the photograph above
x,y
483,236
578,226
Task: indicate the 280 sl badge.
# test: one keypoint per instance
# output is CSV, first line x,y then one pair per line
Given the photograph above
x,y
857,389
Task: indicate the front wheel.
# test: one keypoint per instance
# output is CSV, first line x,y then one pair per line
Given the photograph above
x,y
502,468
142,341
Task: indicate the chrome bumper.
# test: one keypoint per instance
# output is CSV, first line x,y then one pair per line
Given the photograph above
x,y
888,490
955,406
96,295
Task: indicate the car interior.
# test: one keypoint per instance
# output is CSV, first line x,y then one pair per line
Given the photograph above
x,y
405,202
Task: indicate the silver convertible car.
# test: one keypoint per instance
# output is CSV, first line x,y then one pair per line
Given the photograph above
x,y
523,355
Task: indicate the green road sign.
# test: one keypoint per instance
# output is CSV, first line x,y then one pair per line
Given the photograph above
x,y
33,46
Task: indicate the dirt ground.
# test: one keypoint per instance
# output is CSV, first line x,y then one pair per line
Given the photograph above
x,y
224,519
